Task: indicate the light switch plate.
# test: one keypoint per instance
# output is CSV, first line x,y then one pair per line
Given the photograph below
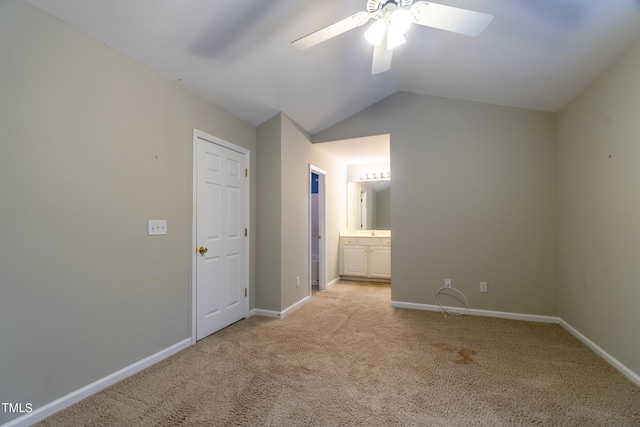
x,y
157,227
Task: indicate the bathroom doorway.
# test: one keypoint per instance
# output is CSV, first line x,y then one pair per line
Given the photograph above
x,y
317,258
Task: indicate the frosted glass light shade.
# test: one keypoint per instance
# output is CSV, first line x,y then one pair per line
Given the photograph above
x,y
375,33
395,38
400,20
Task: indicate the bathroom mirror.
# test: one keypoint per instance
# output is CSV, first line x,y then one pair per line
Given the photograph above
x,y
369,205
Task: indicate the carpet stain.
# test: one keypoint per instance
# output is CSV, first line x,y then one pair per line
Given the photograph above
x,y
465,353
302,369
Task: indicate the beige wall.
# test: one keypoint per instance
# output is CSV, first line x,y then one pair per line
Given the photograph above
x,y
599,210
92,145
269,218
284,154
296,156
474,199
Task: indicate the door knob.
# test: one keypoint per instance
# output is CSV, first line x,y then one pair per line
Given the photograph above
x,y
203,250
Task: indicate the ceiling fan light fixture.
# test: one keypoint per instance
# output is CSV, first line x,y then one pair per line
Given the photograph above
x,y
400,20
375,33
393,18
395,38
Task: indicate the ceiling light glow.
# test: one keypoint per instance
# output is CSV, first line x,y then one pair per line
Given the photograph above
x,y
395,39
375,33
400,20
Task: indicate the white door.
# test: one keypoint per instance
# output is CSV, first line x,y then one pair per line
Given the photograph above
x,y
221,241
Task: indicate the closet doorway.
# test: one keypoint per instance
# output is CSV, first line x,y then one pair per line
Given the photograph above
x,y
220,256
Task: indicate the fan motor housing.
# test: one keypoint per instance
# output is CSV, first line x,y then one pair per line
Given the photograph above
x,y
376,5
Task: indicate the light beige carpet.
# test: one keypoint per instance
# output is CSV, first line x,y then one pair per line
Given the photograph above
x,y
349,359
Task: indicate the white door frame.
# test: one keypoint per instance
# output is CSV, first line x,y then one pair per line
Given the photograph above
x,y
322,249
199,135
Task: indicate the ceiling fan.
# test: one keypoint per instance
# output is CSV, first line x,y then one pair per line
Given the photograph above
x,y
393,18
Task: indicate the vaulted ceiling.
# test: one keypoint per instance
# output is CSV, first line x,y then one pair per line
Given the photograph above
x,y
535,54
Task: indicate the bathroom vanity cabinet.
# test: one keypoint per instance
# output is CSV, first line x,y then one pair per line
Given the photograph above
x,y
365,257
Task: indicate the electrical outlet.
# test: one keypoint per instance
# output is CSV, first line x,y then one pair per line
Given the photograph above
x,y
484,287
297,281
447,283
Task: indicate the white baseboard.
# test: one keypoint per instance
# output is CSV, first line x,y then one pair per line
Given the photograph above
x,y
333,282
633,377
279,314
296,306
51,408
364,279
624,370
474,312
264,313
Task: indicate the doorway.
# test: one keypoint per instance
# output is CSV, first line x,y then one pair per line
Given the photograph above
x,y
317,255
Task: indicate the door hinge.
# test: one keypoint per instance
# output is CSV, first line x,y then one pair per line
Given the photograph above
x,y
246,232
245,292
246,172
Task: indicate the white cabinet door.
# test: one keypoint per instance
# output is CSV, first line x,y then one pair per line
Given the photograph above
x,y
354,260
365,257
380,262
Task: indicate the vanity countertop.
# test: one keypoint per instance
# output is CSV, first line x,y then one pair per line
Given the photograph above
x,y
365,233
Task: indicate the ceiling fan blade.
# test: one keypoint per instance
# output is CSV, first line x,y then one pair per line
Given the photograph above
x,y
332,30
448,18
381,59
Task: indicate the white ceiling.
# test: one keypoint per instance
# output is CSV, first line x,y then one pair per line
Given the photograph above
x,y
535,54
